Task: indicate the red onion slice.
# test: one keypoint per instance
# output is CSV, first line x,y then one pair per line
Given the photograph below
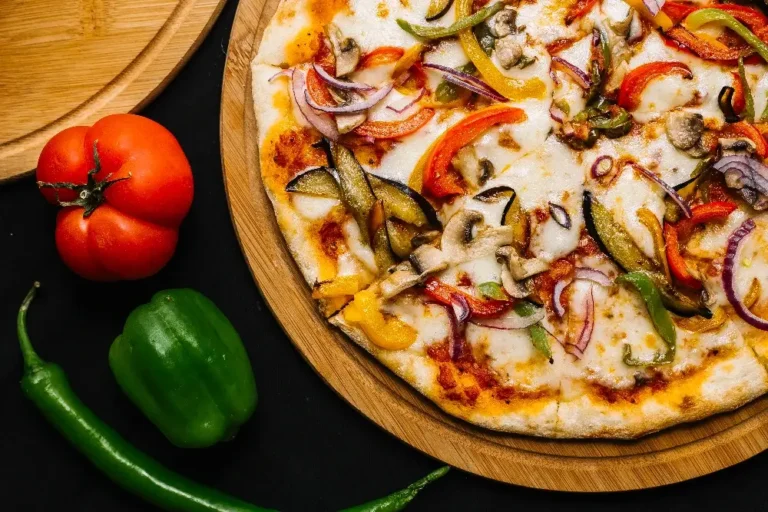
x,y
591,274
557,114
467,81
284,72
353,108
602,166
410,103
338,83
560,287
321,122
752,173
589,324
560,215
671,192
729,278
576,74
460,308
510,320
654,6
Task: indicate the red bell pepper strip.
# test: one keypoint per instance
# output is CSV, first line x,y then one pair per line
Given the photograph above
x,y
681,38
439,180
318,90
380,56
744,129
749,16
739,101
441,292
675,260
395,129
578,10
677,11
638,79
700,214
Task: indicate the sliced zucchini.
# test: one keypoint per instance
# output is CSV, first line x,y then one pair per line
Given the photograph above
x,y
437,9
404,203
513,215
315,182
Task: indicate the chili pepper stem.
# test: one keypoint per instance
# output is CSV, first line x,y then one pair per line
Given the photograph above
x,y
31,359
420,484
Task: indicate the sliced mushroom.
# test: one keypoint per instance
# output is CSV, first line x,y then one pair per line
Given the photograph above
x,y
458,243
427,259
620,27
684,129
474,170
736,146
516,289
402,278
426,237
346,50
508,51
348,122
503,22
521,268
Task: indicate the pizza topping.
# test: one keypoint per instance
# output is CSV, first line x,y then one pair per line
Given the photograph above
x,y
603,118
635,28
660,318
345,85
703,16
437,9
729,276
602,166
594,275
517,318
467,81
560,215
411,101
748,176
684,129
671,192
503,23
636,80
675,260
725,101
508,52
352,108
474,170
321,121
346,50
385,332
494,194
403,202
585,335
462,23
428,260
459,244
443,293
521,268
653,6
402,277
315,182
748,106
557,294
574,72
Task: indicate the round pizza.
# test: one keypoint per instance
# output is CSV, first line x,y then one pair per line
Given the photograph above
x,y
547,216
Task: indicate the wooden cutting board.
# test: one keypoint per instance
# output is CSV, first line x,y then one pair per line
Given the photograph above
x,y
671,456
64,63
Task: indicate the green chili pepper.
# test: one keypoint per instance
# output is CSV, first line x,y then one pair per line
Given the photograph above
x,y
400,499
605,47
540,340
492,290
45,384
749,101
703,16
427,32
647,289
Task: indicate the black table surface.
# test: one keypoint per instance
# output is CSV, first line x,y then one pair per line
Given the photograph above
x,y
304,448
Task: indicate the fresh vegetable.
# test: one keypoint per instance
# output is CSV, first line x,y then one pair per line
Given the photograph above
x,y
602,166
410,57
671,192
492,290
729,276
320,121
510,88
708,49
400,499
354,186
125,185
560,215
638,79
522,316
467,81
746,93
647,289
351,108
742,129
726,100
328,78
574,72
389,333
47,387
748,176
600,119
677,265
182,363
443,293
446,92
463,22
649,220
659,19
513,215
540,340
316,182
578,10
439,181
404,203
381,56
702,213
437,9
703,16
412,101
557,293
395,129
377,227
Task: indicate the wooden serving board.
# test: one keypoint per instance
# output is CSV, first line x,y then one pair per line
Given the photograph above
x,y
64,63
671,456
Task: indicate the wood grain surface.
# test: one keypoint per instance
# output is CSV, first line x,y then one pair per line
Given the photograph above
x,y
64,63
673,455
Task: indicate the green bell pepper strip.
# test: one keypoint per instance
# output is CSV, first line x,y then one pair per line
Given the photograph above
x,y
46,385
427,32
539,335
492,290
182,363
400,499
749,101
703,16
647,289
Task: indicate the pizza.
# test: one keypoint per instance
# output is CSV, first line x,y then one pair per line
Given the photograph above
x,y
546,216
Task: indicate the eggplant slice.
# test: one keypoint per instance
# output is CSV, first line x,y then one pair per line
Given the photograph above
x,y
401,237
513,215
437,9
494,194
315,182
404,203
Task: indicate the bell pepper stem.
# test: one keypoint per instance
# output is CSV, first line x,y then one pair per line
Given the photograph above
x,y
31,359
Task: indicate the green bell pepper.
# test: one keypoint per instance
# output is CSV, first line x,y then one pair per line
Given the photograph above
x,y
182,363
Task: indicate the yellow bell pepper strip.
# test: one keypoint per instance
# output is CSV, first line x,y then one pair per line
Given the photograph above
x,y
388,333
652,224
510,88
699,324
753,295
337,287
411,56
464,22
661,20
645,286
703,16
439,180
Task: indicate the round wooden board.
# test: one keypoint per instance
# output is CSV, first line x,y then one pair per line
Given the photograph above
x,y
70,63
671,456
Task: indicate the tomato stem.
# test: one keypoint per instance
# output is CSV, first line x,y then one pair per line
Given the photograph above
x,y
89,196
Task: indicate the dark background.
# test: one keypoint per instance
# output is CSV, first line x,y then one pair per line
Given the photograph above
x,y
304,448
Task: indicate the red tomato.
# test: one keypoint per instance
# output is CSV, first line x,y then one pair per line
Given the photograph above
x,y
123,223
